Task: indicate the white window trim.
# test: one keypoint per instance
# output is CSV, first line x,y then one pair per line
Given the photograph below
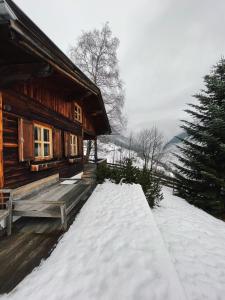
x,y
42,142
74,146
77,113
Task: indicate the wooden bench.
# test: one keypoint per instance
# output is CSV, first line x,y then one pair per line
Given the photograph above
x,y
6,209
54,201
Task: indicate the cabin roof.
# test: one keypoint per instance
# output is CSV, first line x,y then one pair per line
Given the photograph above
x,y
24,43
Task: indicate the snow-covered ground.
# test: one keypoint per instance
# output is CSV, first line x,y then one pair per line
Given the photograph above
x,y
113,250
196,243
118,248
116,154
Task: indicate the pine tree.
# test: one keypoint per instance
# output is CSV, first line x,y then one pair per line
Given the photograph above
x,y
200,175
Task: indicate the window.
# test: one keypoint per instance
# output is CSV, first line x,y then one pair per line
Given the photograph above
x,y
42,142
77,113
74,145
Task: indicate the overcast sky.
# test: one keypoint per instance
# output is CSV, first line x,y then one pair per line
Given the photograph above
x,y
166,47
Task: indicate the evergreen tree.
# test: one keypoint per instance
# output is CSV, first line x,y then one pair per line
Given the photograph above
x,y
200,175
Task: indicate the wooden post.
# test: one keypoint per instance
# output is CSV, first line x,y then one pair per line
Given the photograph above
x,y
9,219
63,216
96,150
1,143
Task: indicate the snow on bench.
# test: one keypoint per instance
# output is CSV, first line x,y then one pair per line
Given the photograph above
x,y
113,250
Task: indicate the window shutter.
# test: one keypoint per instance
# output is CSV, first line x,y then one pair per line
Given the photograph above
x,y
67,145
80,145
25,140
57,143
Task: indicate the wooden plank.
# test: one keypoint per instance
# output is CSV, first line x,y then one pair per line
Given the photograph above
x,y
24,106
26,140
9,218
10,145
3,214
57,143
1,143
35,203
39,214
78,198
63,216
21,72
96,149
31,187
49,194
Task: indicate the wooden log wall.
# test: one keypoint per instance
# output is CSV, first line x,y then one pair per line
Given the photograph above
x,y
51,99
18,173
88,127
15,106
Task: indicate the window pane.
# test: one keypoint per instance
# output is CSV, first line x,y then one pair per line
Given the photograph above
x,y
77,113
37,133
46,135
46,149
37,149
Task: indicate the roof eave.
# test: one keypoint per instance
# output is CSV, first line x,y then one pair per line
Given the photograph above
x,y
28,32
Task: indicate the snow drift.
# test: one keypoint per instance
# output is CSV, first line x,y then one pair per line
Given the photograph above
x,y
113,250
196,243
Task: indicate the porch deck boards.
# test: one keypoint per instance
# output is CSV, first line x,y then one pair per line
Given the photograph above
x,y
47,197
33,239
49,201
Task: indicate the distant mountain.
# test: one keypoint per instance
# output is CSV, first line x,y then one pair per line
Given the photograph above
x,y
176,140
170,149
117,139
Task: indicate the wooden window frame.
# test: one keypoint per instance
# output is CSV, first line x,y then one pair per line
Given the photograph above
x,y
42,142
73,146
77,113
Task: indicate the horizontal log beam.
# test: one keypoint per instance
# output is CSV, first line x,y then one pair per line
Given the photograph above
x,y
23,72
26,107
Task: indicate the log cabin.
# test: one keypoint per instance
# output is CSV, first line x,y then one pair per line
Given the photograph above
x,y
48,107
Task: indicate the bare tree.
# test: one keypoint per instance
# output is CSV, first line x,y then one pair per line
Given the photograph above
x,y
157,149
96,55
130,145
150,144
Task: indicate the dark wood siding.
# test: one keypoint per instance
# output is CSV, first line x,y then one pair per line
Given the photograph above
x,y
55,100
18,173
57,143
25,140
67,144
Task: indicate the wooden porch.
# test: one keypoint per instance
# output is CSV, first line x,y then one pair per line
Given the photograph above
x,y
55,197
34,237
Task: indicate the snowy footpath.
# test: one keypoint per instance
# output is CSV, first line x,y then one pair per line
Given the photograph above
x,y
113,251
196,243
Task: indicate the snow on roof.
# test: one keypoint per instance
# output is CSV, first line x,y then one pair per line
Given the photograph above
x,y
113,250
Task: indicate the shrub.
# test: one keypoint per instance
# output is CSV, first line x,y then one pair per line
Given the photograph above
x,y
130,174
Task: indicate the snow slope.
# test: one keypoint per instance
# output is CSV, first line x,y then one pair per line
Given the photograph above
x,y
196,243
113,251
116,154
